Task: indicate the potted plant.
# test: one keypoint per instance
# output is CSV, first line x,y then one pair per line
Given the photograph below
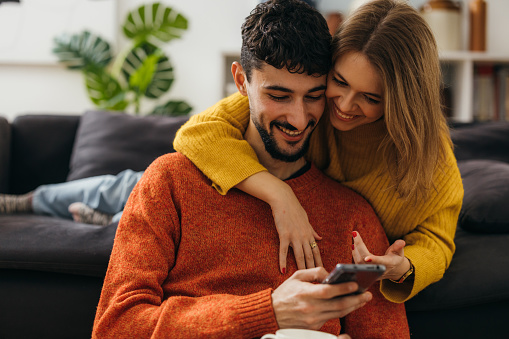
x,y
142,71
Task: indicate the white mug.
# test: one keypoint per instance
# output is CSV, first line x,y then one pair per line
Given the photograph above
x,y
297,333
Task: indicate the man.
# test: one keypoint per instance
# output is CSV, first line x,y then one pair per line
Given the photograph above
x,y
189,263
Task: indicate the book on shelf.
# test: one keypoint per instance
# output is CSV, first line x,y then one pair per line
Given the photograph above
x,y
484,93
491,93
503,93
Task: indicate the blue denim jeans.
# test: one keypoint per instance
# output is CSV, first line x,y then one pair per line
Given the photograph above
x,y
105,193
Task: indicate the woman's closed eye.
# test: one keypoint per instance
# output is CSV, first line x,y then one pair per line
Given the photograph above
x,y
339,82
368,99
371,100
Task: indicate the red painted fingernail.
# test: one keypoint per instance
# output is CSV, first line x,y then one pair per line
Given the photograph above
x,y
354,234
284,270
353,247
368,260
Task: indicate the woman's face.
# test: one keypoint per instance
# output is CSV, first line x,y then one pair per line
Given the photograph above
x,y
354,92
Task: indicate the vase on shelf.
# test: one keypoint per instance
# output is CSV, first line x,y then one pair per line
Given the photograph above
x,y
444,19
477,16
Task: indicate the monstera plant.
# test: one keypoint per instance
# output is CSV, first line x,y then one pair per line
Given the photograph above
x,y
141,71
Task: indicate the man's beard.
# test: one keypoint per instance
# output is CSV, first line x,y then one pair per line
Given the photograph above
x,y
271,145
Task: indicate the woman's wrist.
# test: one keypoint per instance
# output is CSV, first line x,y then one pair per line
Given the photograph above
x,y
405,271
266,187
281,193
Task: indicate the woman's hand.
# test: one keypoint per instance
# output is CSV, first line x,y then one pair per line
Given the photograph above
x,y
295,230
394,259
291,220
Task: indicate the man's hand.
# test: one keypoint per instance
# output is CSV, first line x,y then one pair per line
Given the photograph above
x,y
300,303
394,259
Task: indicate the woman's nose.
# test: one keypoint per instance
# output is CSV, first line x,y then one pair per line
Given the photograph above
x,y
346,102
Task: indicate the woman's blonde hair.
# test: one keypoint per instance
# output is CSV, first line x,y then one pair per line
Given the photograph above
x,y
400,45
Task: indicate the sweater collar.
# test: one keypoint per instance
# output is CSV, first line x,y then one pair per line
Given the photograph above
x,y
310,178
300,172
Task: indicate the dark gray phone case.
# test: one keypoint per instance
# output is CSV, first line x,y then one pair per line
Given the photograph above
x,y
364,275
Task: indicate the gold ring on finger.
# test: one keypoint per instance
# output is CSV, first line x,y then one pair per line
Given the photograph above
x,y
313,244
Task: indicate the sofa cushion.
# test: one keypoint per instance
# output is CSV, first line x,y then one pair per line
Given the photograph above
x,y
43,243
478,275
5,154
488,141
486,200
108,143
41,150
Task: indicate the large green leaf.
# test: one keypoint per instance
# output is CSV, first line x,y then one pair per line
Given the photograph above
x,y
81,50
154,21
104,90
142,77
173,108
148,70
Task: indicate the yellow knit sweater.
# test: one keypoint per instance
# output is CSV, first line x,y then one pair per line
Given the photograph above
x,y
213,140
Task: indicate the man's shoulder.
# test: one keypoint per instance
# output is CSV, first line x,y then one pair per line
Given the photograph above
x,y
172,159
172,163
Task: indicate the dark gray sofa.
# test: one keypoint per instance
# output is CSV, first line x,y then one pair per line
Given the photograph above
x,y
51,270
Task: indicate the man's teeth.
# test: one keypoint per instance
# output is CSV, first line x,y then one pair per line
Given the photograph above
x,y
289,132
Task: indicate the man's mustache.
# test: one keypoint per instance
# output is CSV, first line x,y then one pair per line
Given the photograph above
x,y
284,124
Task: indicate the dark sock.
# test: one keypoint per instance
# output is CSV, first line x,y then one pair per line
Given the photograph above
x,y
10,204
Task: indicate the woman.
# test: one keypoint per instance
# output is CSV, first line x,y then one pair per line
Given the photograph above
x,y
384,136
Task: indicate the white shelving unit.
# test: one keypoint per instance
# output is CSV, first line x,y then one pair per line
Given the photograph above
x,y
461,64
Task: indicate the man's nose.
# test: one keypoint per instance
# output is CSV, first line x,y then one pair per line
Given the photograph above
x,y
299,117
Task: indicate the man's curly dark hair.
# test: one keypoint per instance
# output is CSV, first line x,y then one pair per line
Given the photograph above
x,y
286,33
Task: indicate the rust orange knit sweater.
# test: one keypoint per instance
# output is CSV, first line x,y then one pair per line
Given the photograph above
x,y
189,263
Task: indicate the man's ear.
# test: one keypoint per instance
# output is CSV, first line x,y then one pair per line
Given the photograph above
x,y
239,77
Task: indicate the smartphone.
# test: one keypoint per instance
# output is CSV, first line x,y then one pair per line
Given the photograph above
x,y
364,275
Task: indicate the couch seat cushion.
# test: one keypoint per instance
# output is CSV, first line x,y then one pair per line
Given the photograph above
x,y
43,243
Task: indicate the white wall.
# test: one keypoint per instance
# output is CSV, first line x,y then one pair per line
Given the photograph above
x,y
214,29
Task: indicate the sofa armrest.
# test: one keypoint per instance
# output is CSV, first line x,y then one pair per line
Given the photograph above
x,y
5,154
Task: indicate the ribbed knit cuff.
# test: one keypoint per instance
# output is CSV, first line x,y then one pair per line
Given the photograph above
x,y
213,140
424,264
225,170
256,315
